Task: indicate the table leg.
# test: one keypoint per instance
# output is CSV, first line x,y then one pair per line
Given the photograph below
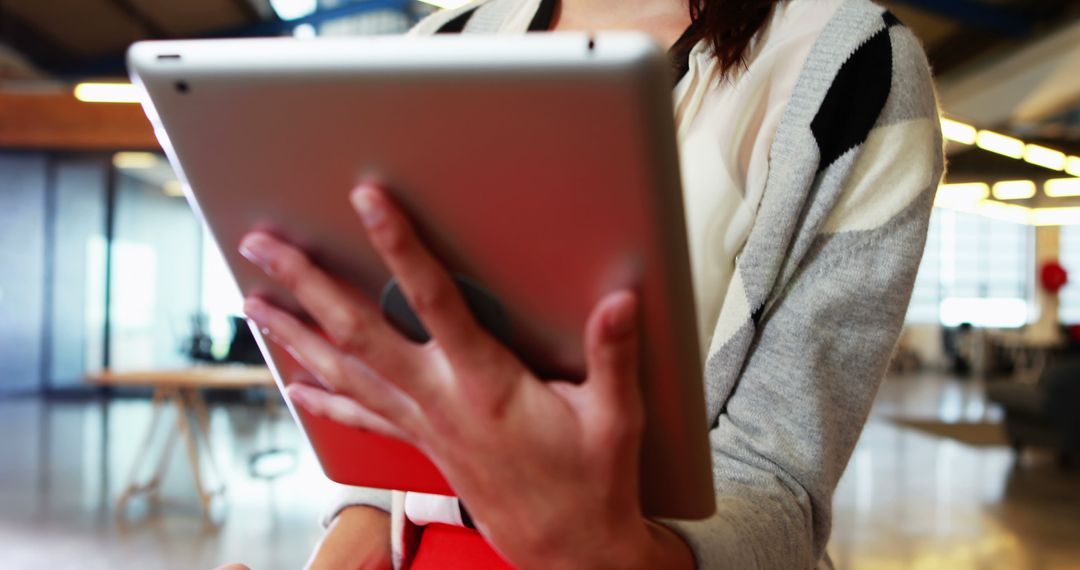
x,y
198,403
133,487
154,486
183,424
193,433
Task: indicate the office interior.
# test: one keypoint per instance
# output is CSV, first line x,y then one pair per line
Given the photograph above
x,y
140,431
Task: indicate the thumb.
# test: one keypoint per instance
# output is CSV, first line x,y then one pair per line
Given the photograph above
x,y
611,347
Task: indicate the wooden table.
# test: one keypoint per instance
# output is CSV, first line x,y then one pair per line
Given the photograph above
x,y
183,389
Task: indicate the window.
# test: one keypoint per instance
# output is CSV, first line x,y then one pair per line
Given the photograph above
x,y
925,299
221,299
155,275
974,270
1070,258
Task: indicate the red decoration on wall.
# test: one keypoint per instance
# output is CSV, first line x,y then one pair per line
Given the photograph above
x,y
1053,277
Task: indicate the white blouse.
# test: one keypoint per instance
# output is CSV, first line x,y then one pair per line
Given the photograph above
x,y
725,130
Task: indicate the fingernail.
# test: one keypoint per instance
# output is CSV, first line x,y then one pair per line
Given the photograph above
x,y
367,205
257,250
298,398
255,310
622,320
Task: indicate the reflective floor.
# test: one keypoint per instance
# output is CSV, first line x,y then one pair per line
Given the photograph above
x,y
63,465
908,500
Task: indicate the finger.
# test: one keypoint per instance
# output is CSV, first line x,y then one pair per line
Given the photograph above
x,y
614,415
343,410
611,348
431,292
334,370
350,320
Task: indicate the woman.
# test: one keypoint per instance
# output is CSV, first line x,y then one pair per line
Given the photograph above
x,y
811,151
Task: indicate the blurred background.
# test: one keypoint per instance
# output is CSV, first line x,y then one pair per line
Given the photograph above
x,y
140,430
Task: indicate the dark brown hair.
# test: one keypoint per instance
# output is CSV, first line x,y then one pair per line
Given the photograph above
x,y
728,25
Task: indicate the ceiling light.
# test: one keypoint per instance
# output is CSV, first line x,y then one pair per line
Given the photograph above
x,y
1072,165
293,9
134,160
1004,212
1056,216
304,32
958,132
107,93
173,189
1001,144
446,4
1044,157
951,195
1062,187
1014,190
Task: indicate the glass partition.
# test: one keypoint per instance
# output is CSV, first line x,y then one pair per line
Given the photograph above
x,y
156,271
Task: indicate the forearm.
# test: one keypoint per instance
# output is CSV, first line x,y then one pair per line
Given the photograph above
x,y
358,538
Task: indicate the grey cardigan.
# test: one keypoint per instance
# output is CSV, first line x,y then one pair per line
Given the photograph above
x,y
820,290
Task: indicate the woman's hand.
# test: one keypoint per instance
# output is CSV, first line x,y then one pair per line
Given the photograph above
x,y
549,470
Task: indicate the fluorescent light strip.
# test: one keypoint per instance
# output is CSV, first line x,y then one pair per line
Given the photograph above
x,y
1072,165
1004,212
991,209
1014,190
1044,157
107,93
1056,216
953,195
135,160
1062,188
1011,147
1001,144
958,132
173,189
1017,214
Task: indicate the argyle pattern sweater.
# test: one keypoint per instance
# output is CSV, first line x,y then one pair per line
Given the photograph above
x,y
820,291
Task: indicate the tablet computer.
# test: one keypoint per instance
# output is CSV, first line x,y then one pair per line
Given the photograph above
x,y
542,170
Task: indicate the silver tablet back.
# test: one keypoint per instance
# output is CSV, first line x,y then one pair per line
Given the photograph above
x,y
541,168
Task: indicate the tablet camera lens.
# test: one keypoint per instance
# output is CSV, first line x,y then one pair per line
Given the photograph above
x,y
182,87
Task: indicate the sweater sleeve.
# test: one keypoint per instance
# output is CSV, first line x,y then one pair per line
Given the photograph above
x,y
793,383
345,496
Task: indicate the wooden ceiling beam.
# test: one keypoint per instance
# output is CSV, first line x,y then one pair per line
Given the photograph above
x,y
58,121
152,28
248,9
986,17
40,49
